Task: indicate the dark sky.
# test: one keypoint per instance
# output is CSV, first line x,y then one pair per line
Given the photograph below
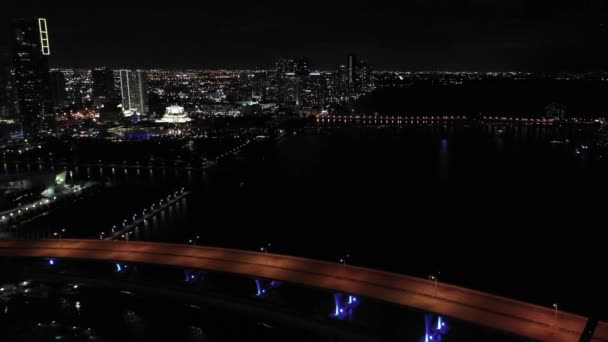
x,y
535,35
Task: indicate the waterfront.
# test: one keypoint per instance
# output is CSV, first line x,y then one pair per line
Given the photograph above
x,y
415,200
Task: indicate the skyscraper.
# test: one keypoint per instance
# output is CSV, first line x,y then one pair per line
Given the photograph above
x,y
103,85
364,79
57,79
350,81
339,88
352,75
5,99
78,86
302,67
284,73
30,59
134,91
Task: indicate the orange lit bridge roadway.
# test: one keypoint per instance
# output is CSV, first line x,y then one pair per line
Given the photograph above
x,y
503,314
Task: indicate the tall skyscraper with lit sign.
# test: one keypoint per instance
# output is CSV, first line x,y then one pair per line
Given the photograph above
x,y
31,48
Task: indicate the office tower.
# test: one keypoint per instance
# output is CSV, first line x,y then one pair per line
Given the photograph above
x,y
5,103
31,49
352,76
341,85
78,86
290,79
283,80
302,67
283,67
57,81
134,91
103,85
364,78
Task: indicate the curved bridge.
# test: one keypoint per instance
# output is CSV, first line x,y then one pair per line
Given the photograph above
x,y
510,316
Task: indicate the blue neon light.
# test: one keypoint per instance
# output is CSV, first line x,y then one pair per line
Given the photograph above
x,y
434,331
118,268
259,287
337,300
51,262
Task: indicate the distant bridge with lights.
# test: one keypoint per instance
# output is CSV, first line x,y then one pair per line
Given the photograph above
x,y
440,119
509,316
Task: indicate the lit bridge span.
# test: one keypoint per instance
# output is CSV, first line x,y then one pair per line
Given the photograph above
x,y
503,314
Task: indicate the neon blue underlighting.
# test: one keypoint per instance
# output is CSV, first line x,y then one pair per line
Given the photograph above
x,y
337,301
259,287
439,323
118,268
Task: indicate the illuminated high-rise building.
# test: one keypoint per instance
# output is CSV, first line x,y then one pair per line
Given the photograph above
x,y
352,76
134,91
5,95
340,88
31,49
350,81
302,67
364,78
290,79
283,80
57,79
103,85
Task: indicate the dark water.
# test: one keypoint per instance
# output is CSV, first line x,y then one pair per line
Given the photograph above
x,y
501,209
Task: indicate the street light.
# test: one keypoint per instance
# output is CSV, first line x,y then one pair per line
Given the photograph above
x,y
265,251
435,279
343,260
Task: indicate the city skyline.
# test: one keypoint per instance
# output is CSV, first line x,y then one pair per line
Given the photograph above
x,y
459,36
305,171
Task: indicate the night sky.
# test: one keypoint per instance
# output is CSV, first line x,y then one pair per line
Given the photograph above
x,y
479,35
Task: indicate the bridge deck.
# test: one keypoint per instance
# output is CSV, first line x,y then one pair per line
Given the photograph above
x,y
510,316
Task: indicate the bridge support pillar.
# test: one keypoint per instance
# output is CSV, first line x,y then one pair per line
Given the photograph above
x,y
194,276
589,331
344,305
263,286
435,328
121,267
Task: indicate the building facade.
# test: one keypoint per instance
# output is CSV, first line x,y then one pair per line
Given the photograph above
x,y
31,49
104,89
134,91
